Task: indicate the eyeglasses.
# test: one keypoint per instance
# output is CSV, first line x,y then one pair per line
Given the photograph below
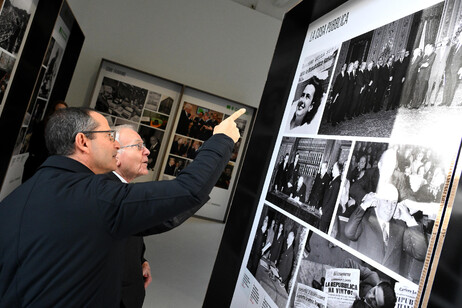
x,y
110,133
140,146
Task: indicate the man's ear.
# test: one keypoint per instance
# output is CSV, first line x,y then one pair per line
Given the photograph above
x,y
81,143
118,160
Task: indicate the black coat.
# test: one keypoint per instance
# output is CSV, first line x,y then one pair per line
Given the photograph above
x,y
62,232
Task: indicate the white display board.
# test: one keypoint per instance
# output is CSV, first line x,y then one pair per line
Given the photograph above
x,y
365,153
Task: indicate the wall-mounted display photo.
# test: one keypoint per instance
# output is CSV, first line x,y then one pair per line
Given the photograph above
x,y
141,100
198,115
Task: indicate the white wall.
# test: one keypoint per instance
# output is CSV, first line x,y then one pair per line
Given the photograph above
x,y
217,46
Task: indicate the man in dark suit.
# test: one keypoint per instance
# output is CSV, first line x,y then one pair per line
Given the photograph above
x,y
62,233
321,182
330,197
132,160
299,190
293,172
276,246
399,74
185,120
360,84
338,96
381,231
280,182
382,83
286,260
453,71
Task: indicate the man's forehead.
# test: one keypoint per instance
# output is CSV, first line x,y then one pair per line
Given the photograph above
x,y
129,135
100,119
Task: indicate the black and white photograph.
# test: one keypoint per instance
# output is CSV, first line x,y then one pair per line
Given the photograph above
x,y
307,176
34,123
389,204
121,121
154,119
197,122
275,254
14,18
153,100
52,69
166,105
332,277
399,79
6,66
310,94
152,139
121,99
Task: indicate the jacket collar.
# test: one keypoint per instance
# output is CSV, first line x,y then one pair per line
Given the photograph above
x,y
65,163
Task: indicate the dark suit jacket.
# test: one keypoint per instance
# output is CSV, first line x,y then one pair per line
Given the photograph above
x,y
132,280
318,189
183,123
285,263
276,246
328,203
301,193
365,232
62,233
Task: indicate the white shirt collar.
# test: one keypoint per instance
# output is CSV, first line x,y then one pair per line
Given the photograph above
x,y
120,177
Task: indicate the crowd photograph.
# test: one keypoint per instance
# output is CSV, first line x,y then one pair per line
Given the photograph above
x,y
390,200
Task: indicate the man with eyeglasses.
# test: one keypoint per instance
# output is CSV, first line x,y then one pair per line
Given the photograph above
x,y
62,233
132,162
383,230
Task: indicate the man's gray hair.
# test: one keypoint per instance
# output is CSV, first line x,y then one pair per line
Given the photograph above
x,y
118,128
63,126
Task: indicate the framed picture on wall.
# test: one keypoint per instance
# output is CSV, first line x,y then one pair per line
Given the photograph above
x,y
197,116
147,102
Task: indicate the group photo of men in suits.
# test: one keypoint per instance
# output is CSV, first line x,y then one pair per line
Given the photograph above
x,y
402,82
197,122
307,183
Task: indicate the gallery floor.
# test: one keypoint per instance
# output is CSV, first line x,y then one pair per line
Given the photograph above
x,y
181,263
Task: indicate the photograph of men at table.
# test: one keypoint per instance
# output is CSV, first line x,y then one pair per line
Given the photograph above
x,y
275,253
390,201
306,178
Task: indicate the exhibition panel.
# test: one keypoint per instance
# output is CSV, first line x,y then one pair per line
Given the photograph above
x,y
357,189
41,42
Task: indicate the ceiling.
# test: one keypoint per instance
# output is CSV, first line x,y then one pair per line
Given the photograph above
x,y
274,8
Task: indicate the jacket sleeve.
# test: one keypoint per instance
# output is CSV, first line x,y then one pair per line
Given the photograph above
x,y
158,206
353,227
415,243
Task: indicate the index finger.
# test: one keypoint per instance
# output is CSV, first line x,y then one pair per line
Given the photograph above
x,y
237,114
